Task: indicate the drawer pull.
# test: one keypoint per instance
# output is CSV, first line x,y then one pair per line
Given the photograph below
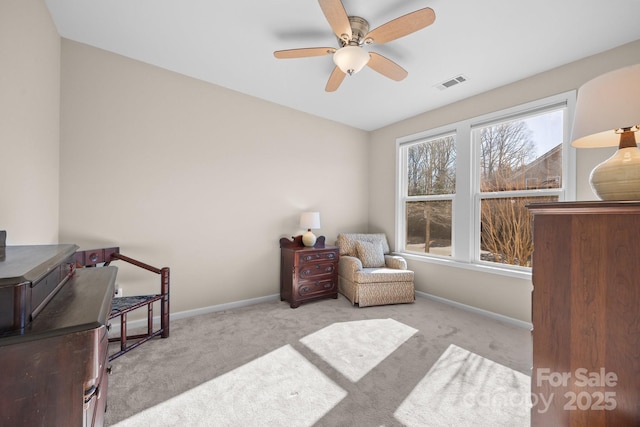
x,y
90,394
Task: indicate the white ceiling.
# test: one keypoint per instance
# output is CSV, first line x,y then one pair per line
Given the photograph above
x,y
231,43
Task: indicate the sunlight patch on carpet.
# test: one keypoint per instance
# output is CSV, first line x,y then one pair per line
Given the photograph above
x,y
465,389
281,388
355,348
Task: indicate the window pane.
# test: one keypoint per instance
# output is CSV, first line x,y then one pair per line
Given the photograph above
x,y
506,229
431,167
429,222
522,154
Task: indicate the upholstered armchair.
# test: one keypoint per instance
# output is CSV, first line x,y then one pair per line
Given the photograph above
x,y
369,275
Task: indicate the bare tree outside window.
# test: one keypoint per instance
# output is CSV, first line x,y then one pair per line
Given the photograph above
x,y
432,167
506,230
431,172
505,149
509,162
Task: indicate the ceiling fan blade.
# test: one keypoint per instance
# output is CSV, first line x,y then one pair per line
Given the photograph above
x,y
304,52
337,16
402,26
336,78
386,67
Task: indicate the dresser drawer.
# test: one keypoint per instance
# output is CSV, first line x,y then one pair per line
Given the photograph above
x,y
95,392
316,270
317,256
310,288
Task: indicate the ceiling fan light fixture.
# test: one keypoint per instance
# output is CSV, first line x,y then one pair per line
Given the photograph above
x,y
351,59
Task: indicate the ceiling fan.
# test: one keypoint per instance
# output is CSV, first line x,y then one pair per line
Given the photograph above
x,y
352,33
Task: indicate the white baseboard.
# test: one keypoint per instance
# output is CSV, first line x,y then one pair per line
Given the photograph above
x,y
501,317
142,323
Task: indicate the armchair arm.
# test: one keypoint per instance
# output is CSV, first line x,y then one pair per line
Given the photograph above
x,y
395,261
348,266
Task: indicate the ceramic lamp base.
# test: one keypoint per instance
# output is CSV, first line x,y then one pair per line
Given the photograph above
x,y
309,239
618,178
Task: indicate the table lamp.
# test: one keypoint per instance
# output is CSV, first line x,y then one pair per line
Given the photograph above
x,y
309,220
608,115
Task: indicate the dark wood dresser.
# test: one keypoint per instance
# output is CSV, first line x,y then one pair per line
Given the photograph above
x,y
307,274
53,337
586,314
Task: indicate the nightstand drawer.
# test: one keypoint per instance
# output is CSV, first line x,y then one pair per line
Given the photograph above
x,y
308,288
317,256
317,270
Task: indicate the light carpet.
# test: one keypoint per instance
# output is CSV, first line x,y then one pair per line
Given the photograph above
x,y
465,389
355,348
268,391
284,388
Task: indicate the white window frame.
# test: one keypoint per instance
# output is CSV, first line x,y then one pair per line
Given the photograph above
x,y
465,228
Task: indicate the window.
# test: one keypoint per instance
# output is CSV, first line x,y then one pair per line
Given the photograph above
x,y
463,189
431,185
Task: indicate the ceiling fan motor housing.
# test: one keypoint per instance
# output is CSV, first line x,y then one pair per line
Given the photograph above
x,y
359,29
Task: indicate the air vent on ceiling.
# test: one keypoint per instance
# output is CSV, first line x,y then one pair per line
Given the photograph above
x,y
451,82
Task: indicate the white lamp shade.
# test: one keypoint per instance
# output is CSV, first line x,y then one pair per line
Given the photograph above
x,y
310,220
351,59
604,104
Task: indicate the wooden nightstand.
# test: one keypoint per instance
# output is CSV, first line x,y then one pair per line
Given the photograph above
x,y
307,274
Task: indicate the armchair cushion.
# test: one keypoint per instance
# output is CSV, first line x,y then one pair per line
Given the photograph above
x,y
347,242
370,253
382,275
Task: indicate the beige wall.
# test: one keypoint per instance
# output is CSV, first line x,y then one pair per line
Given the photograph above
x,y
183,173
29,128
500,294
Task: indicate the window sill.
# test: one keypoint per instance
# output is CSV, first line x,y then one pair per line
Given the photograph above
x,y
524,274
